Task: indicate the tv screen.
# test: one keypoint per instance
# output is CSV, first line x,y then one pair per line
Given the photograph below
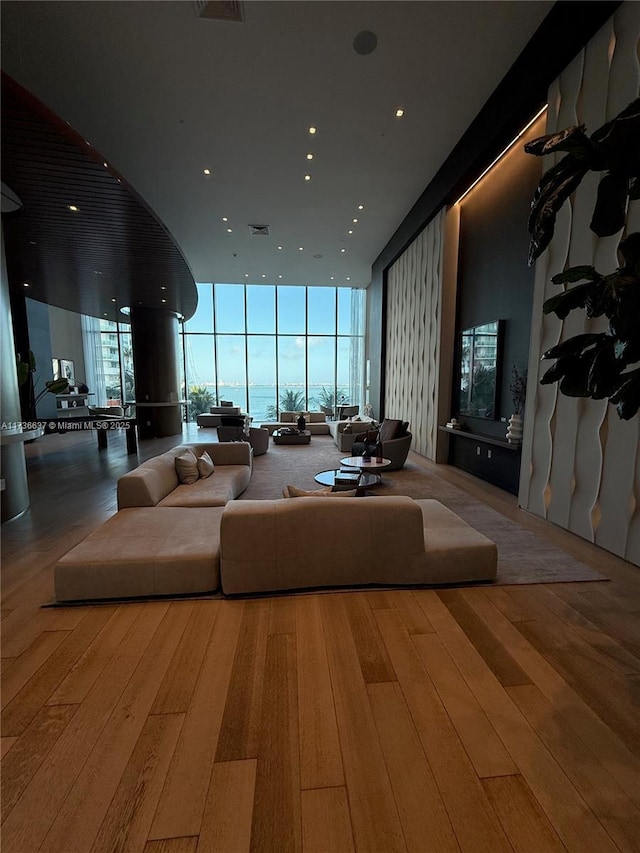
x,y
478,377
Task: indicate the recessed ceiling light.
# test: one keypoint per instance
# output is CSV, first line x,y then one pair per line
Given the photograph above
x,y
350,231
105,165
162,287
307,177
312,130
97,272
301,248
399,113
32,243
343,250
114,300
246,275
317,256
279,276
74,208
207,171
365,43
279,248
164,300
26,284
106,315
348,278
361,207
332,277
309,156
264,275
229,230
225,219
354,220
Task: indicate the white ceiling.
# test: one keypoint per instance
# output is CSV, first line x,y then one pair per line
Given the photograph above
x,y
164,94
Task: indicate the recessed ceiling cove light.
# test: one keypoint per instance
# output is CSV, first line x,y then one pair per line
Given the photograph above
x,y
113,300
229,230
207,171
399,113
309,156
301,248
350,231
343,250
225,219
74,208
354,220
307,177
361,207
312,130
279,248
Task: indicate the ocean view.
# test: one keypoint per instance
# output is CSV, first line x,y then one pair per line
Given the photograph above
x,y
260,397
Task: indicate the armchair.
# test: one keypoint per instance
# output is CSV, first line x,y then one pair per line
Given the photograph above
x,y
395,439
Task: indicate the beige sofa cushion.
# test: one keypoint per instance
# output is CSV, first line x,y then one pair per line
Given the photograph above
x,y
143,552
285,544
225,484
456,552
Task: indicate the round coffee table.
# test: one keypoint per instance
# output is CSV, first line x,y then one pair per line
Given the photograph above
x,y
358,462
328,478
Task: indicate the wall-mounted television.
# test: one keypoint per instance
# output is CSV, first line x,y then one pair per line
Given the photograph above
x,y
480,356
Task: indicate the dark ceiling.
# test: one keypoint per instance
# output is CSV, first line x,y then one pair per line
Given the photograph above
x,y
98,256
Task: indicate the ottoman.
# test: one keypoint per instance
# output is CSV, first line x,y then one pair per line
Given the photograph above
x,y
144,551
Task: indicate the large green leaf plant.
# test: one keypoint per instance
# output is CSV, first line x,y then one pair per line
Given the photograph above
x,y
606,364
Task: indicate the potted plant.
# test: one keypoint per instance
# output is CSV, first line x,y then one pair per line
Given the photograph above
x,y
604,364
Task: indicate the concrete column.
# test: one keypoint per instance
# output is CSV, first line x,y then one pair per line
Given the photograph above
x,y
14,497
154,333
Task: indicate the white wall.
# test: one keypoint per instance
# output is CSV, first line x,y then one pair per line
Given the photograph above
x,y
581,464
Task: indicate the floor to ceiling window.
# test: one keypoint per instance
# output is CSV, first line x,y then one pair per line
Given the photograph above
x,y
270,349
108,357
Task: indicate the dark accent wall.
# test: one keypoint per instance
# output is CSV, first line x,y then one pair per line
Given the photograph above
x,y
494,281
560,37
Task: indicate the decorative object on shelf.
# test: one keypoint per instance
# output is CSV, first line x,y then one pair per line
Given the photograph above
x,y
514,432
302,424
595,365
518,389
368,410
453,424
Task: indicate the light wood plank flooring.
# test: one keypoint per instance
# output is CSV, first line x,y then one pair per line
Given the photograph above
x,y
466,719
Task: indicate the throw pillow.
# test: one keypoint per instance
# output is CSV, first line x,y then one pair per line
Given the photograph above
x,y
187,468
390,429
205,466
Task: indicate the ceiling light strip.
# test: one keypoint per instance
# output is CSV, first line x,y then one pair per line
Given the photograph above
x,y
501,155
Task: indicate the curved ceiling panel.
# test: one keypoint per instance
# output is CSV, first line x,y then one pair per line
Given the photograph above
x,y
110,251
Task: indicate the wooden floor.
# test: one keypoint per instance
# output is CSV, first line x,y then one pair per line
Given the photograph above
x,y
469,719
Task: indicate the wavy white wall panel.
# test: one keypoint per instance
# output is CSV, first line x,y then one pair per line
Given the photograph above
x,y
582,464
414,313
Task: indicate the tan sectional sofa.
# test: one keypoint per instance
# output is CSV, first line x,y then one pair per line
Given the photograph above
x,y
316,422
274,545
155,482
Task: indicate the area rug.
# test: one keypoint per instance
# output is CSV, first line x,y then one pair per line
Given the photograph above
x,y
523,557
